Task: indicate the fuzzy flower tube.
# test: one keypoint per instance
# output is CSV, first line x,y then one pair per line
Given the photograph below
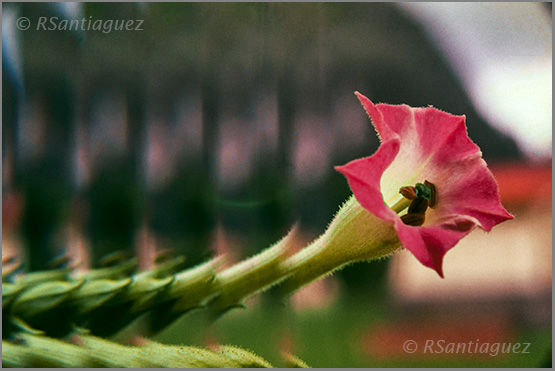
x,y
424,189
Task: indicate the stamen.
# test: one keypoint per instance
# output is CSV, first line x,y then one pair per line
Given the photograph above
x,y
418,206
401,205
423,191
418,199
413,219
433,195
408,192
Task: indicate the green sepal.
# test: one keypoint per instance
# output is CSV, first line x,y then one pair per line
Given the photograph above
x,y
36,278
143,290
162,270
119,271
10,292
23,326
42,297
93,294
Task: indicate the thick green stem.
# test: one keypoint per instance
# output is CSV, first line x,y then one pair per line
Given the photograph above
x,y
250,276
354,235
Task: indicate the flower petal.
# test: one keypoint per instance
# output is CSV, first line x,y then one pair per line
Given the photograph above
x,y
382,128
469,188
430,244
435,146
363,176
421,144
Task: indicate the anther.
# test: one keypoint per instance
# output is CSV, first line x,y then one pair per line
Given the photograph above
x,y
408,192
422,196
423,191
413,219
418,206
433,195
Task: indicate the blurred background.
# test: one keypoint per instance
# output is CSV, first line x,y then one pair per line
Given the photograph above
x,y
216,128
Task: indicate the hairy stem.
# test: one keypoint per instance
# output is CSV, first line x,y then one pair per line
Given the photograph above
x,y
354,235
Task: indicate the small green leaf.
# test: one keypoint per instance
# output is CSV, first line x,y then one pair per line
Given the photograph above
x,y
100,287
42,297
94,293
144,289
164,269
24,327
35,278
122,270
10,292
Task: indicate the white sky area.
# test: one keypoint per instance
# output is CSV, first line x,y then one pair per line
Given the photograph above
x,y
502,55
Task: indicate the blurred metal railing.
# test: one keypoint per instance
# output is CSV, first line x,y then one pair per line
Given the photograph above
x,y
215,114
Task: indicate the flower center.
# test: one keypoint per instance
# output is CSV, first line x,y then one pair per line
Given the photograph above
x,y
417,199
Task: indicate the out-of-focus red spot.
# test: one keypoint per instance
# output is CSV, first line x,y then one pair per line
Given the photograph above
x,y
137,340
286,344
520,183
386,341
13,204
210,341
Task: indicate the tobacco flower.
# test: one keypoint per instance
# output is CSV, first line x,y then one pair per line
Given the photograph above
x,y
418,145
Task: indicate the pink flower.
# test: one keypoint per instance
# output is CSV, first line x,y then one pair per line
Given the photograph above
x,y
419,144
